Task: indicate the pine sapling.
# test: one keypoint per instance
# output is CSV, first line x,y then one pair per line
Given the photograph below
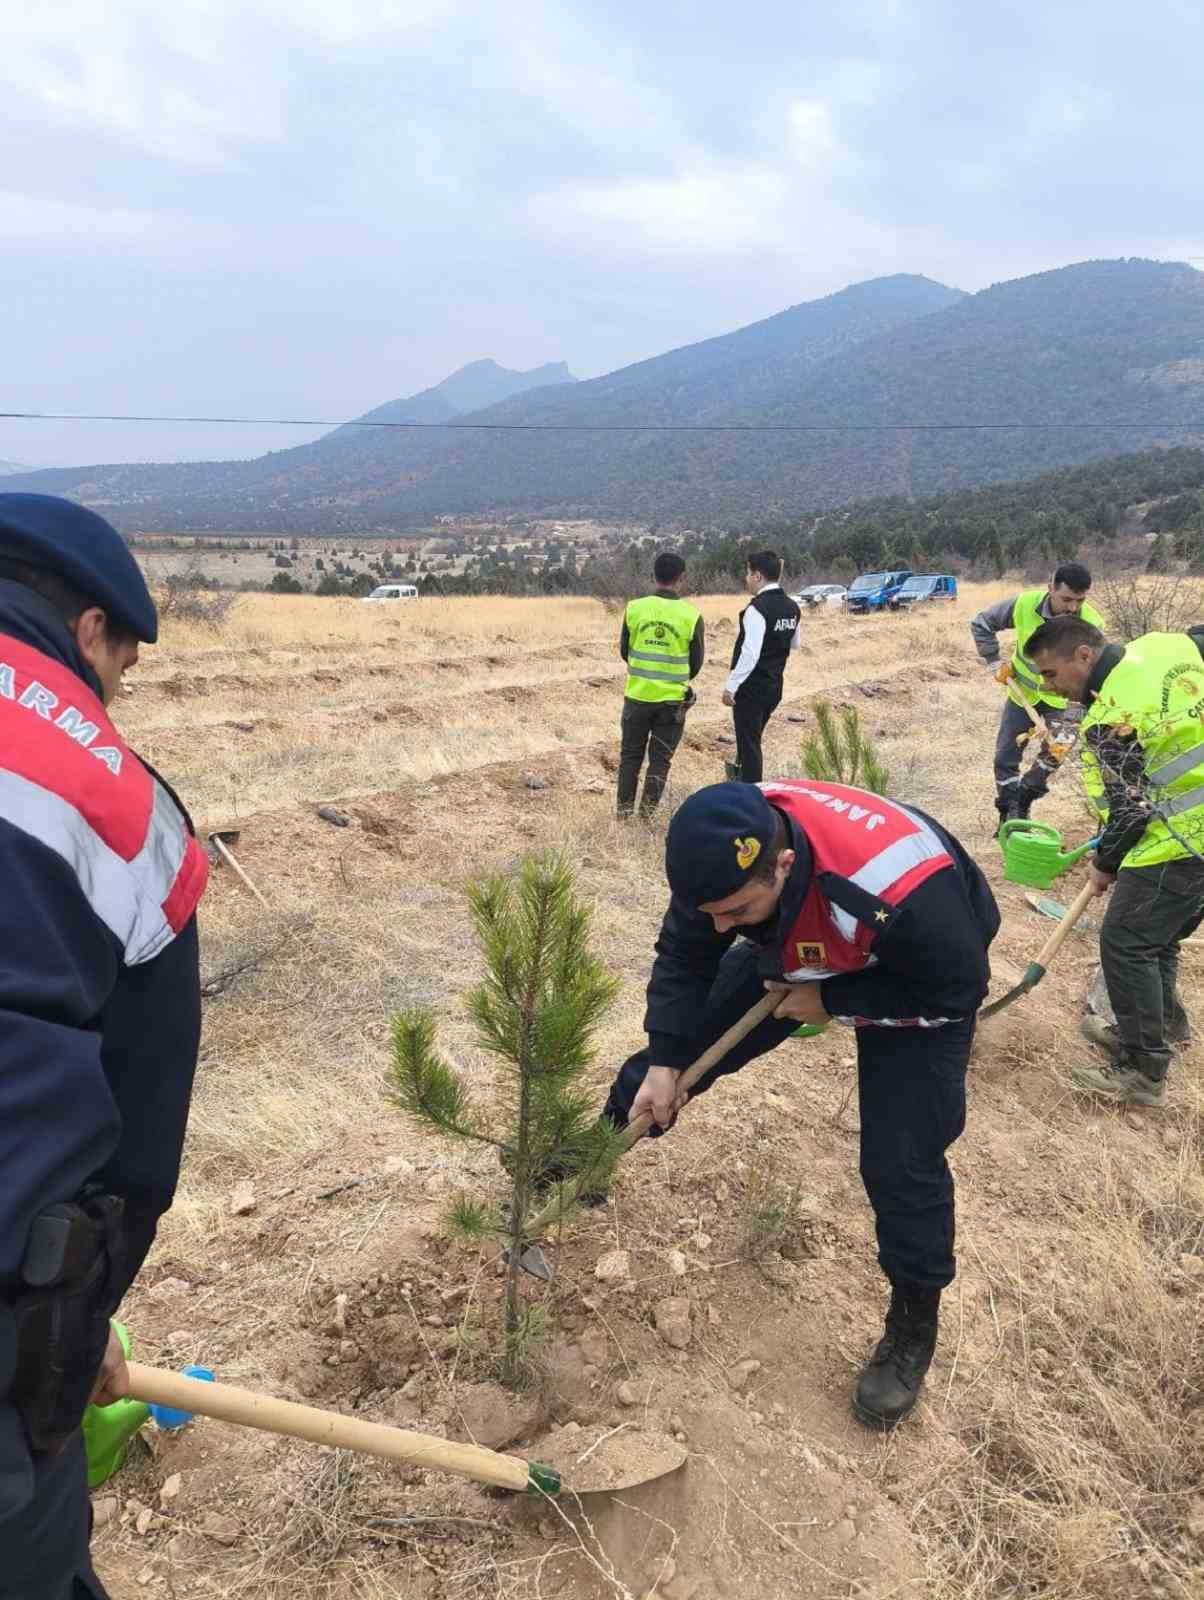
x,y
536,1010
842,752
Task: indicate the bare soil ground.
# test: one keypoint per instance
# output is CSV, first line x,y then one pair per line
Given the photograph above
x,y
1059,1446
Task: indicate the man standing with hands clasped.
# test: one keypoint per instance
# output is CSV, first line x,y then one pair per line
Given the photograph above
x,y
769,631
876,917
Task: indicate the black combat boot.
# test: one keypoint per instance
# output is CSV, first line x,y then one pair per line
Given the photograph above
x,y
1007,803
1025,796
890,1384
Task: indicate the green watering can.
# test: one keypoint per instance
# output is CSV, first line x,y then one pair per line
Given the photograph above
x,y
108,1430
1033,854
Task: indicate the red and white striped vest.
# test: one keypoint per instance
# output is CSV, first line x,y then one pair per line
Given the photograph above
x,y
883,849
69,780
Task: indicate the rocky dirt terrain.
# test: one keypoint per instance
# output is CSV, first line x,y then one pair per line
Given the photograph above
x,y
727,1294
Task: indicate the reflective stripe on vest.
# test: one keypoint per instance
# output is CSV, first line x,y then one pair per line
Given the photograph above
x,y
875,843
1026,619
1156,689
68,779
659,631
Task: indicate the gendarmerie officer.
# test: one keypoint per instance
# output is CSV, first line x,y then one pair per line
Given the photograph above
x,y
876,917
99,1015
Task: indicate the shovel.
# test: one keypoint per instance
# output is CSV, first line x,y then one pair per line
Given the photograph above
x,y
1036,969
222,839
656,1456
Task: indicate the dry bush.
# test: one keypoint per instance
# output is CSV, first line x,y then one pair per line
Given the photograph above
x,y
181,599
1133,605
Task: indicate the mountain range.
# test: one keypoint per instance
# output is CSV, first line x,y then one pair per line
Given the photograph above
x,y
896,386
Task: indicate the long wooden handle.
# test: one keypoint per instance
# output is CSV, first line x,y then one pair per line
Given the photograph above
x,y
1034,716
1073,912
250,1410
710,1057
230,862
636,1130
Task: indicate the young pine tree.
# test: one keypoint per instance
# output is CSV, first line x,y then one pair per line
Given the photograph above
x,y
841,753
536,1011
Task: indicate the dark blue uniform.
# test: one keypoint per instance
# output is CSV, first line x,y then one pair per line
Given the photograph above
x,y
930,967
99,1031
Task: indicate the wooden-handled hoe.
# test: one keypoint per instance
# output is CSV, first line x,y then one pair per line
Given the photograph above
x,y
657,1453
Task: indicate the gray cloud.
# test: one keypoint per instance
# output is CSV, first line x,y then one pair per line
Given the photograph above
x,y
306,207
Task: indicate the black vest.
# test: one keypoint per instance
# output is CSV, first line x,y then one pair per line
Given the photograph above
x,y
781,615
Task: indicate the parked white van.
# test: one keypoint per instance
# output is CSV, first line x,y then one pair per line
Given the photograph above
x,y
392,591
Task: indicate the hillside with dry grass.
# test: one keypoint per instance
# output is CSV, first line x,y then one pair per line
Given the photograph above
x,y
1058,1449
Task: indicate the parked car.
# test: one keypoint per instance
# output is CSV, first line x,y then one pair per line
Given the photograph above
x,y
821,594
873,591
392,591
942,586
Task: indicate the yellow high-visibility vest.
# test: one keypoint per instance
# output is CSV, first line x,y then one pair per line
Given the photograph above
x,y
659,631
1157,690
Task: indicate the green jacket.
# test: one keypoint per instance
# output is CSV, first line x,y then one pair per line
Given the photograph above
x,y
662,643
1143,735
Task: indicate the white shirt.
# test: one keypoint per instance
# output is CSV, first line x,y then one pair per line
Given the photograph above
x,y
754,638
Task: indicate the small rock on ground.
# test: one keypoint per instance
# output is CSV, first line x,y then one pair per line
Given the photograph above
x,y
243,1201
103,1511
495,1418
223,1530
739,1375
613,1266
673,1321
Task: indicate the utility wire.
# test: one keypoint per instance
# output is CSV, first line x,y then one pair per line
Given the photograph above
x,y
620,427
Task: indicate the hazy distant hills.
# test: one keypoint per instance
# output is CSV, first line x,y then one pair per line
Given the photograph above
x,y
480,383
269,491
7,467
1062,353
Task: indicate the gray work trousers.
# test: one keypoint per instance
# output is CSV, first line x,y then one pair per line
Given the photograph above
x,y
1062,721
1150,911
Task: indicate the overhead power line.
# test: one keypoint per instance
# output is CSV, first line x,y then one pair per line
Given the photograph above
x,y
619,427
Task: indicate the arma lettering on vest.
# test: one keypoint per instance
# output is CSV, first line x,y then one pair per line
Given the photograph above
x,y
43,702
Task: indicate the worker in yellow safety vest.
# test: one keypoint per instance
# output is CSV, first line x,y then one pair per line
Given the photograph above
x,y
1143,767
1065,596
662,642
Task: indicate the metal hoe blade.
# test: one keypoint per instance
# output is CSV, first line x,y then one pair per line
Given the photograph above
x,y
534,1261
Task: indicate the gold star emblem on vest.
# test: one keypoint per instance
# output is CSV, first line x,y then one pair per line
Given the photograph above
x,y
881,916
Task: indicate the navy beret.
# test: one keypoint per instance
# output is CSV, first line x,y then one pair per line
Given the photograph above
x,y
84,550
715,841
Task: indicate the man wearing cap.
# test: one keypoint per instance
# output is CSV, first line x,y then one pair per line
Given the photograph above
x,y
876,918
99,1015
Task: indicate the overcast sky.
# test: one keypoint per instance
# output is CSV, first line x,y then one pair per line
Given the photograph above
x,y
307,207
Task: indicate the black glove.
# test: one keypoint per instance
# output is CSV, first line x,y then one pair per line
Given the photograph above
x,y
72,1263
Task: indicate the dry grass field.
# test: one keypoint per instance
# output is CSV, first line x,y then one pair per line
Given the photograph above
x,y
1059,1448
